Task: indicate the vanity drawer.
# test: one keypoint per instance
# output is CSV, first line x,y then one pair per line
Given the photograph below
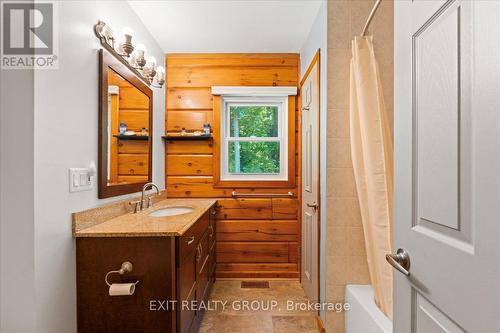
x,y
189,241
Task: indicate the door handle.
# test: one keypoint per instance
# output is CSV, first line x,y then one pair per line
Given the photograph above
x,y
314,206
400,261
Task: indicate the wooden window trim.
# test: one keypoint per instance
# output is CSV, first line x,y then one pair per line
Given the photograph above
x,y
218,183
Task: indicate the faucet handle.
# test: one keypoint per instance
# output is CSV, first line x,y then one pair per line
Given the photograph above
x,y
136,203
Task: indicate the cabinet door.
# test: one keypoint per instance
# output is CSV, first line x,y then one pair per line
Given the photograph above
x,y
202,268
212,235
186,280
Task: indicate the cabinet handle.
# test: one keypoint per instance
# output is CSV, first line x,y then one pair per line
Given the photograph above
x,y
190,240
211,228
198,252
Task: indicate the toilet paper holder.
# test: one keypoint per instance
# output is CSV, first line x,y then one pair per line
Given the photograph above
x,y
125,268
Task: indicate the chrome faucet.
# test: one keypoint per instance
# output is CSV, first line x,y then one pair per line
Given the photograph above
x,y
139,205
144,188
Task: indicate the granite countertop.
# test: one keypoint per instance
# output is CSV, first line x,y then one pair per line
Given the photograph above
x,y
141,224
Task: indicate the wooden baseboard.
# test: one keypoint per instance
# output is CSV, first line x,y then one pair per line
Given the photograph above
x,y
256,275
256,279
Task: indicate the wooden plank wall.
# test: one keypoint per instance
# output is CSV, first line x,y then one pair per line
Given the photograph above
x,y
256,238
133,109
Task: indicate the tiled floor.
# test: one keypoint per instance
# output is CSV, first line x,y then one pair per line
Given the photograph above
x,y
261,315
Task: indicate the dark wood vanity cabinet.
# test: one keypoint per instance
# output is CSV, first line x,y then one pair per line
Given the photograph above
x,y
195,273
170,270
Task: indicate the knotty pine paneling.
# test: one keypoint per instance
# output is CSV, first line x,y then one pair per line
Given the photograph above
x,y
181,165
128,159
135,119
234,267
194,60
252,252
257,237
189,98
132,179
257,230
286,209
189,119
204,147
194,187
133,147
132,164
232,76
132,98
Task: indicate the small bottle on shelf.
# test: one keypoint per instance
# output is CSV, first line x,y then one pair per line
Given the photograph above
x,y
206,129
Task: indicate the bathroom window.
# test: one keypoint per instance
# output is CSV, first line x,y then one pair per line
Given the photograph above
x,y
255,137
254,143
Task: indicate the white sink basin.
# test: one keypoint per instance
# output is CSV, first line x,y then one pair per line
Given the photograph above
x,y
171,211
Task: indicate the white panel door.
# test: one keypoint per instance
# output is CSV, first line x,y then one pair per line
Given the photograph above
x,y
310,184
447,165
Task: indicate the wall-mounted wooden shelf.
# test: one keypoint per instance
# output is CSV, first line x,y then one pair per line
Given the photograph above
x,y
186,137
132,137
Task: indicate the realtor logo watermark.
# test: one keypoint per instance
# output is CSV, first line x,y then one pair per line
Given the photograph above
x,y
29,35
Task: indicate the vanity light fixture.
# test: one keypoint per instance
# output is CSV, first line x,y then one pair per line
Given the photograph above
x,y
127,44
134,57
139,56
160,76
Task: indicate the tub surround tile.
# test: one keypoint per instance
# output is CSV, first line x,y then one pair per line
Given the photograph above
x,y
346,261
339,153
344,212
341,182
338,63
343,270
338,123
346,241
338,93
339,24
360,9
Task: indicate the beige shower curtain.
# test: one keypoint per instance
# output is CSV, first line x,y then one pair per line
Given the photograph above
x,y
371,148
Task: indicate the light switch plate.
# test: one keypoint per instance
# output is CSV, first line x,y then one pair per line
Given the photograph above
x,y
80,179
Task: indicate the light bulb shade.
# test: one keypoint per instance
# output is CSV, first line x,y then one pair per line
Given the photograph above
x,y
128,32
160,75
139,54
151,62
141,48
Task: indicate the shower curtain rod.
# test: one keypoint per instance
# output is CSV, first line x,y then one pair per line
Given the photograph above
x,y
370,17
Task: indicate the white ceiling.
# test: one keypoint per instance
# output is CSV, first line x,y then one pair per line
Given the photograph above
x,y
228,25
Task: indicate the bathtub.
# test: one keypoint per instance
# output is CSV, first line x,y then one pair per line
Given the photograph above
x,y
364,316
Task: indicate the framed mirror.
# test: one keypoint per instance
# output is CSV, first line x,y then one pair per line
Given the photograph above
x,y
125,128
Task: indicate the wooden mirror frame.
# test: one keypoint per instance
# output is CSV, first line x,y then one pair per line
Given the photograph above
x,y
107,60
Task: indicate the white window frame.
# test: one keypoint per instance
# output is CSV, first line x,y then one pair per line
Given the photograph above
x,y
282,103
